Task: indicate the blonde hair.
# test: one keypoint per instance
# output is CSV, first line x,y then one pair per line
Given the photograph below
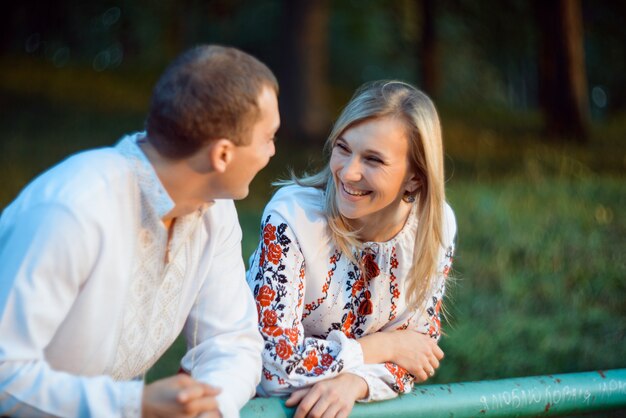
x,y
402,101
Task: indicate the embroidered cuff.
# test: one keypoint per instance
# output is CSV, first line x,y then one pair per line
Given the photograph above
x,y
351,350
378,389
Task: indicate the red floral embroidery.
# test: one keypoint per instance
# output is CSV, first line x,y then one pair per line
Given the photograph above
x,y
435,326
393,285
402,377
446,271
365,308
310,361
371,269
273,331
327,360
266,296
274,252
347,324
269,317
283,349
358,286
284,342
310,307
394,260
269,234
301,286
292,334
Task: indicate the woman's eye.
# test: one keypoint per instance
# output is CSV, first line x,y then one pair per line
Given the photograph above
x,y
374,160
342,147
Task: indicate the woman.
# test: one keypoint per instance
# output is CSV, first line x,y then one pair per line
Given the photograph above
x,y
350,271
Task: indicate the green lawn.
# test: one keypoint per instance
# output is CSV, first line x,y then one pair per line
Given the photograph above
x,y
539,274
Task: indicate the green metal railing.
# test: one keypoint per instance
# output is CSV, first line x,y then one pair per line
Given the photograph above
x,y
551,395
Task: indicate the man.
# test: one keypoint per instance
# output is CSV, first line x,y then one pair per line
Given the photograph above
x,y
106,257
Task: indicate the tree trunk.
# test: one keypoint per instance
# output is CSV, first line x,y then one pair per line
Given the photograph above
x,y
303,70
562,75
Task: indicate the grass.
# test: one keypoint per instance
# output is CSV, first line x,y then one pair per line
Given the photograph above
x,y
539,269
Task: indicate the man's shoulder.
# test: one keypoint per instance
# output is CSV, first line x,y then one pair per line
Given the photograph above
x,y
87,175
99,162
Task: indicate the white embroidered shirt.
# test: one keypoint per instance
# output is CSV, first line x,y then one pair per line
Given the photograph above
x,y
313,302
88,302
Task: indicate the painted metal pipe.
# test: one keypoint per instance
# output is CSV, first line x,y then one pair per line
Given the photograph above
x,y
550,395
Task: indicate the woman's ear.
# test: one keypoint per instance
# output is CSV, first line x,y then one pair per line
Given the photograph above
x,y
220,154
413,183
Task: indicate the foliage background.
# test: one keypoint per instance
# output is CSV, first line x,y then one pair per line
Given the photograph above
x,y
539,275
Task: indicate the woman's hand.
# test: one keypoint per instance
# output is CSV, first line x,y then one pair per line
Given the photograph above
x,y
418,353
415,352
331,398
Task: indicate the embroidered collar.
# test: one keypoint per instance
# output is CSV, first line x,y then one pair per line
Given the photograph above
x,y
407,233
149,183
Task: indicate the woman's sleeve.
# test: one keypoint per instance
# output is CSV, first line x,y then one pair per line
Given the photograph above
x,y
386,381
277,278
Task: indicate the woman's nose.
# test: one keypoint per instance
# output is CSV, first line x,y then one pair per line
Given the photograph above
x,y
351,170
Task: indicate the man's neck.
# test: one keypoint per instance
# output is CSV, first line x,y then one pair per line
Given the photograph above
x,y
178,180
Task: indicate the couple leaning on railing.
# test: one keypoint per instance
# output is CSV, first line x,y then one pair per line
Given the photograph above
x,y
108,256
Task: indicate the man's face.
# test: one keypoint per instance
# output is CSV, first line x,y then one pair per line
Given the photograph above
x,y
249,159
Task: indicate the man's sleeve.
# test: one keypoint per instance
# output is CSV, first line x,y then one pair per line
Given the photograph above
x,y
46,254
221,331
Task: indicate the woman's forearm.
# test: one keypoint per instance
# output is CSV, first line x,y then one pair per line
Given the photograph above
x,y
377,347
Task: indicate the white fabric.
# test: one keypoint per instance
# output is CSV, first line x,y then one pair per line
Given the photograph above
x,y
88,303
312,300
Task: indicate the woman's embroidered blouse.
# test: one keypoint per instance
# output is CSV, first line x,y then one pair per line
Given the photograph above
x,y
313,302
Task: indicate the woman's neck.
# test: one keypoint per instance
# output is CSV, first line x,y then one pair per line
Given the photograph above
x,y
375,228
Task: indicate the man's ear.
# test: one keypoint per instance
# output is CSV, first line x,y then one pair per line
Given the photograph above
x,y
221,152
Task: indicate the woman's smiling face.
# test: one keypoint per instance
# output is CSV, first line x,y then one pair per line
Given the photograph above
x,y
371,171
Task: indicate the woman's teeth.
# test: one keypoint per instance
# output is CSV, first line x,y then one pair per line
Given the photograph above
x,y
353,192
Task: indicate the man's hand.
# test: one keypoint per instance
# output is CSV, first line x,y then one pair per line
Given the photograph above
x,y
332,398
179,396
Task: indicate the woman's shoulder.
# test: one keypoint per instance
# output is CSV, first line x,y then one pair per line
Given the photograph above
x,y
297,204
449,224
295,196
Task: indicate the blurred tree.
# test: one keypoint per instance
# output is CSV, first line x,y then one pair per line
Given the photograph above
x,y
605,54
429,49
562,76
303,69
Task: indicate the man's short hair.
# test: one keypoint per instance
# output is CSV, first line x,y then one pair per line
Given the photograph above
x,y
208,92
